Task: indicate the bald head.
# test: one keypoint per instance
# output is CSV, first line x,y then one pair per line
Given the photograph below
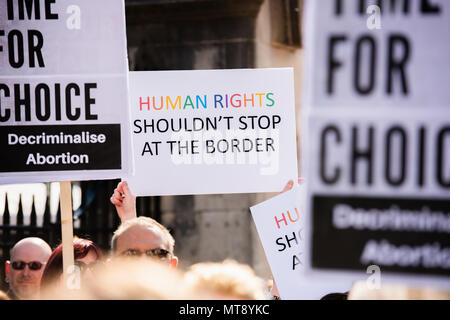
x,y
33,244
24,281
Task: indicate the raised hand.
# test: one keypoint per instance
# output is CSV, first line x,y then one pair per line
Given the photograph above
x,y
124,201
290,184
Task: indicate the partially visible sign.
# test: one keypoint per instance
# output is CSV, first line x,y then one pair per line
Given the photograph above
x,y
377,138
280,225
63,91
212,131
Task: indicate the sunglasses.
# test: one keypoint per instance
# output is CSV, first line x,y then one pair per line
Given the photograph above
x,y
83,266
152,253
33,265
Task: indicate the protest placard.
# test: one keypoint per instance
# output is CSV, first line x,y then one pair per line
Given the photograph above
x,y
63,91
280,223
377,139
63,96
212,131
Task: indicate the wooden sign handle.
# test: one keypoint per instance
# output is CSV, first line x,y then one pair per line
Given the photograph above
x,y
66,227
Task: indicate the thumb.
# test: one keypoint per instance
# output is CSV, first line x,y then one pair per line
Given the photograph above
x,y
288,186
126,189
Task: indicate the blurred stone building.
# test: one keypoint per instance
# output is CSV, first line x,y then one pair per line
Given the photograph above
x,y
215,34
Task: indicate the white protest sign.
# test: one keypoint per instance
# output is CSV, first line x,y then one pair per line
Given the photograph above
x,y
376,139
63,91
212,131
281,227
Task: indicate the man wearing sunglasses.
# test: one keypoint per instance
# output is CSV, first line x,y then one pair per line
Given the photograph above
x,y
144,237
24,270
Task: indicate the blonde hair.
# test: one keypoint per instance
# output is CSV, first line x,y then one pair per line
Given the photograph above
x,y
228,278
145,222
4,296
143,280
360,291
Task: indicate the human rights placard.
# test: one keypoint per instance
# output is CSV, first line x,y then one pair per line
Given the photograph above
x,y
280,222
212,131
63,91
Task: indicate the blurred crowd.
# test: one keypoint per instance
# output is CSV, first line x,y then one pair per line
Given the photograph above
x,y
142,265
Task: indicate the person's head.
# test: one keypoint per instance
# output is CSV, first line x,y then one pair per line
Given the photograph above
x,y
226,280
144,237
112,283
335,296
24,270
397,291
85,253
4,296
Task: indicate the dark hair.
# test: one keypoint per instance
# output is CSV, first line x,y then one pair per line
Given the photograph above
x,y
54,267
335,296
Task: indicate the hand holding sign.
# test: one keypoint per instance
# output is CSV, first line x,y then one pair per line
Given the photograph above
x,y
290,184
124,201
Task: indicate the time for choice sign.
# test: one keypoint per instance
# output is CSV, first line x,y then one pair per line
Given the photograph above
x,y
63,91
212,131
377,137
